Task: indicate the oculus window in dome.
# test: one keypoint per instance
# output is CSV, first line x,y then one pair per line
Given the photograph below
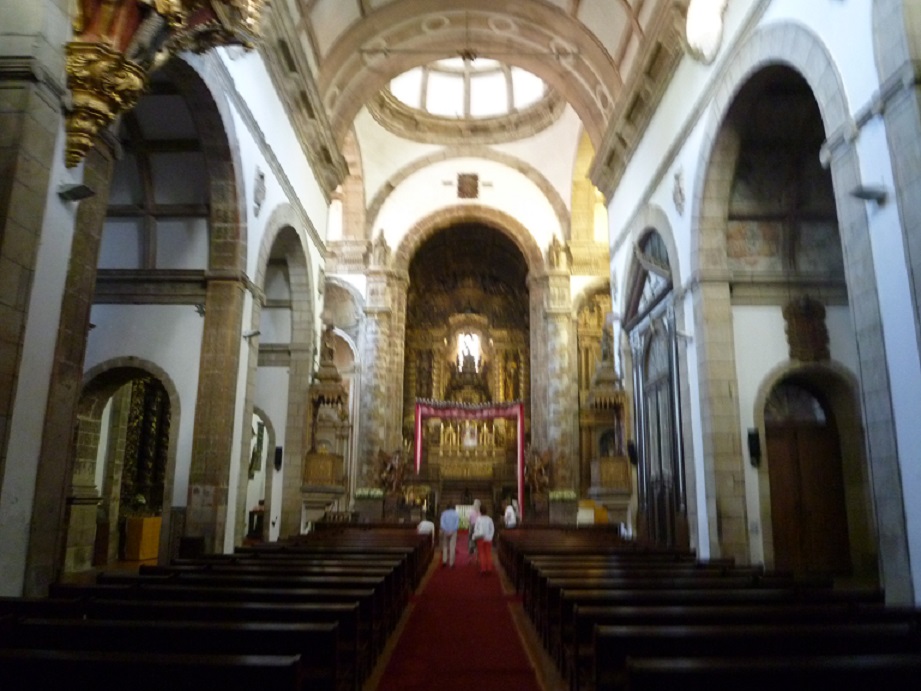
x,y
467,97
464,88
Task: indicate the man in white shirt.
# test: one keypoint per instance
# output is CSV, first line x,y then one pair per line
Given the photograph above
x,y
449,523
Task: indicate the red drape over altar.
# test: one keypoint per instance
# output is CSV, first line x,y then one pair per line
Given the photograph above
x,y
486,411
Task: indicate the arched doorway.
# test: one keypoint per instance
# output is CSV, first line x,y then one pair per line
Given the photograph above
x,y
122,471
808,508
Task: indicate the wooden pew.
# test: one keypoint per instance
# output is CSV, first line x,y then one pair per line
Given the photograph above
x,y
893,672
372,635
31,669
355,661
579,649
316,644
614,645
381,614
394,595
557,616
691,597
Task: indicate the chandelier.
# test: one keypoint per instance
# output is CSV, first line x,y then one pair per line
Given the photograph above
x,y
118,43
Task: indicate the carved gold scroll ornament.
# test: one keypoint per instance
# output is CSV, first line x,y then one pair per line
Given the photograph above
x,y
118,43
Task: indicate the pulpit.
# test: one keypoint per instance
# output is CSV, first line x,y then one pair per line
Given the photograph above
x,y
142,537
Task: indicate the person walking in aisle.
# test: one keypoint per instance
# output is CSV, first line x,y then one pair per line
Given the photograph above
x,y
483,532
510,519
471,519
449,523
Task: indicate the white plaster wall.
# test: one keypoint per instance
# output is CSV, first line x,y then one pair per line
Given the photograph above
x,y
275,134
272,397
672,144
760,346
435,187
168,336
899,319
543,152
383,154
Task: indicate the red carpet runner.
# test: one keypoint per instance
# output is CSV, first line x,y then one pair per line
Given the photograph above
x,y
460,637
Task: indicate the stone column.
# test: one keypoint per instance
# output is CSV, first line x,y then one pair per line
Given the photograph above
x,y
212,445
300,373
381,396
722,445
32,86
556,381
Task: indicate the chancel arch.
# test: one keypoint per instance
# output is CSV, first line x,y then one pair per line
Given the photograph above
x,y
467,346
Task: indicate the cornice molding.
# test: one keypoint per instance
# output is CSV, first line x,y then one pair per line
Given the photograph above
x,y
637,103
293,80
24,68
417,125
226,84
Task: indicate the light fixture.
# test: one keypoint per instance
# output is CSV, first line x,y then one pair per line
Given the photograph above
x,y
754,447
74,192
870,193
704,28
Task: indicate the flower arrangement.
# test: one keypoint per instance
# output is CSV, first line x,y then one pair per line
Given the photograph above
x,y
369,492
562,495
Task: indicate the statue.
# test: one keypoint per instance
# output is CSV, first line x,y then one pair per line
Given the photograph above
x,y
391,471
537,471
380,251
559,255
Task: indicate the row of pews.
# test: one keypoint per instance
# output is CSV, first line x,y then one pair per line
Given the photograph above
x,y
312,612
616,616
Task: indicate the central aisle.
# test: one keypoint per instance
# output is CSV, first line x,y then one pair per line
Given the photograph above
x,y
460,636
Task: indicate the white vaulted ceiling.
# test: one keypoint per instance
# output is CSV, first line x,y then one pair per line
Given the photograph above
x,y
599,59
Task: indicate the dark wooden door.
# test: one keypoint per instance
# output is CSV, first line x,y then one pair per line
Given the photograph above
x,y
809,516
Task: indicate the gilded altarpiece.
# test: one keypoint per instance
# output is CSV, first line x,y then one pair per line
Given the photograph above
x,y
604,467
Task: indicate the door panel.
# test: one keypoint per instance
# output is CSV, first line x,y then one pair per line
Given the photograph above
x,y
808,511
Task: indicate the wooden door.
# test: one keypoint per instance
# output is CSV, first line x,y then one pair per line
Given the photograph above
x,y
808,511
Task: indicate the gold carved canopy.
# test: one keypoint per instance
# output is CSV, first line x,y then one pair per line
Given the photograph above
x,y
117,43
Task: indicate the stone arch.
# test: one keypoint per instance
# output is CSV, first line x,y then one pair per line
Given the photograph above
x,y
352,191
593,286
585,80
282,231
804,53
839,388
472,213
652,218
486,153
99,385
199,80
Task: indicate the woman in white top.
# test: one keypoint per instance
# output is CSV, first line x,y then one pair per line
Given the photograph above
x,y
483,532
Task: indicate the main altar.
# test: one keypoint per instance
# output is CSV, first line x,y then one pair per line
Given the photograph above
x,y
472,447
467,421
